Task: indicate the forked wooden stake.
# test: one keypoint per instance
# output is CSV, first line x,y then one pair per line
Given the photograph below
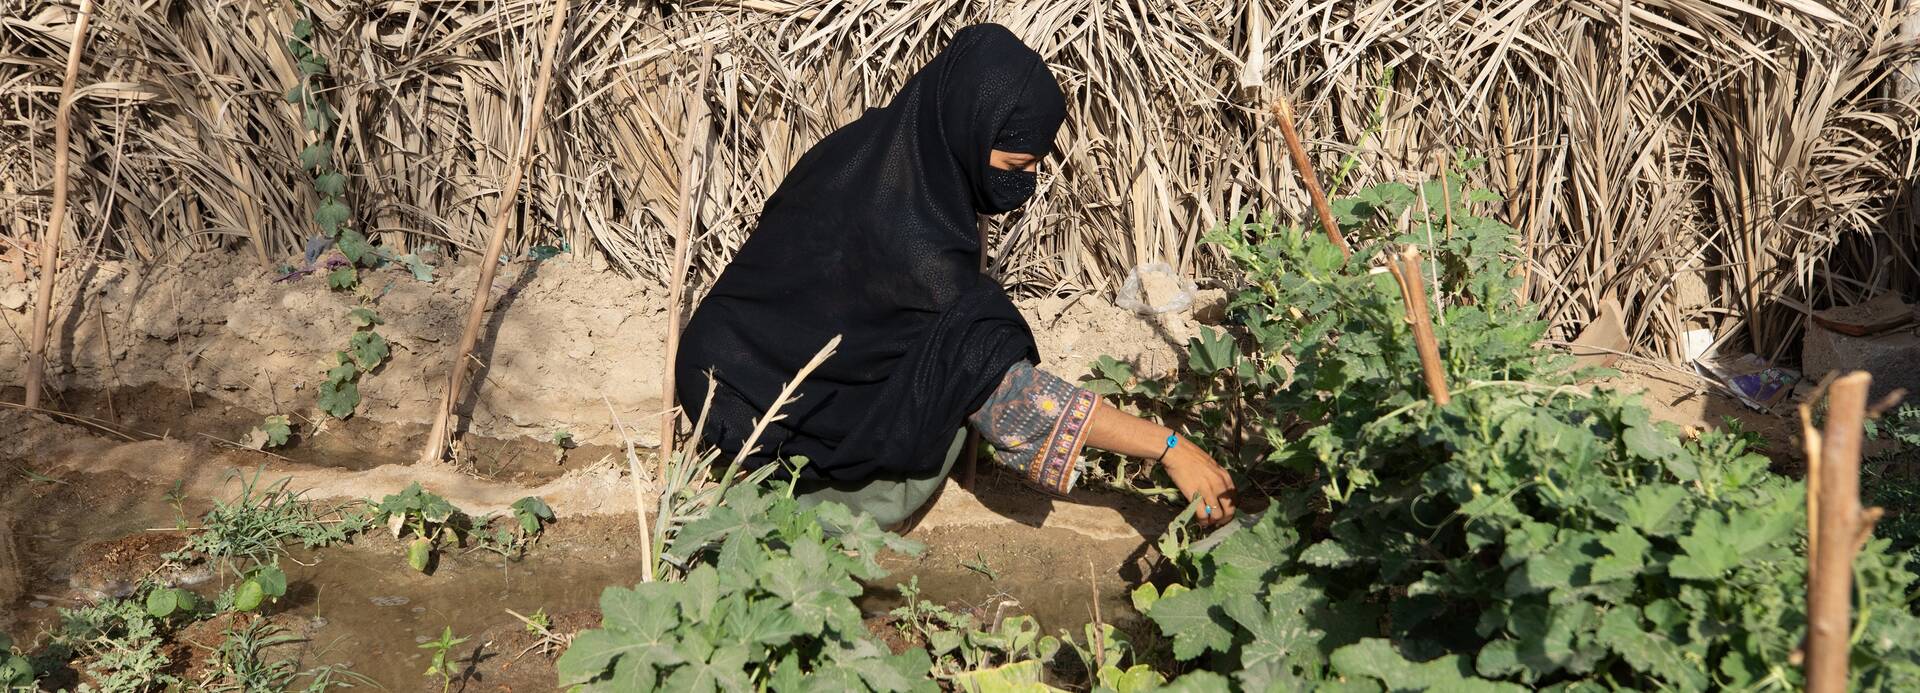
x,y
502,215
1283,112
1837,533
1406,271
692,148
49,246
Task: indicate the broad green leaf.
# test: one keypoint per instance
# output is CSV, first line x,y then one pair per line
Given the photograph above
x,y
355,247
316,155
368,349
364,317
1194,622
272,581
278,429
339,399
1627,555
342,278
248,596
331,183
1327,554
1376,658
1708,551
418,553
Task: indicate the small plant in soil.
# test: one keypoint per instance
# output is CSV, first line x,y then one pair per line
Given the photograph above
x,y
562,442
273,432
423,514
244,663
255,527
115,644
440,665
762,599
16,673
529,518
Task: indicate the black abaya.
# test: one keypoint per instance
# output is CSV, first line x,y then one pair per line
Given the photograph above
x,y
872,237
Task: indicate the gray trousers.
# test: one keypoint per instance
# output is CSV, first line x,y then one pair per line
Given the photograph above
x,y
889,500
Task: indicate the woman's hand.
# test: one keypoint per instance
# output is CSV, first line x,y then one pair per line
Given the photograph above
x,y
1199,478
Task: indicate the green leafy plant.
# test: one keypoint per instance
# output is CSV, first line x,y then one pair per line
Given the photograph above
x,y
528,518
427,516
242,663
1531,534
340,392
440,665
259,585
255,527
273,432
16,672
118,644
765,602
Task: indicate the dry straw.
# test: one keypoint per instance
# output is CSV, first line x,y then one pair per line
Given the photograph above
x,y
1709,163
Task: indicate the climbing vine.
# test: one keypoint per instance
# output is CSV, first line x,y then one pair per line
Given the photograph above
x,y
366,348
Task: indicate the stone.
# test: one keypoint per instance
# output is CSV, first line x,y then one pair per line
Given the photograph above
x,y
14,298
1889,357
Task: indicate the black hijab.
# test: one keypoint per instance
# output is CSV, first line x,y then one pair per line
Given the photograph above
x,y
873,236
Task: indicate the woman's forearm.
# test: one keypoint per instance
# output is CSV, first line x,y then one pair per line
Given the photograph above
x,y
1119,432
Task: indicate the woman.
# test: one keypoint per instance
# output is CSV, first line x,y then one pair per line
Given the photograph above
x,y
873,237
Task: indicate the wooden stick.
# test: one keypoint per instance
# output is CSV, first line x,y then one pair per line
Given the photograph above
x,y
49,247
1406,271
1841,524
692,147
489,262
16,251
1283,112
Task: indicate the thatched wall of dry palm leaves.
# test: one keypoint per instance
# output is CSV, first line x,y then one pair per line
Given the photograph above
x,y
1709,163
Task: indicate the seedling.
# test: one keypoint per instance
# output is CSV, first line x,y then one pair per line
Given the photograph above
x,y
562,442
272,432
528,520
15,671
440,666
166,602
426,515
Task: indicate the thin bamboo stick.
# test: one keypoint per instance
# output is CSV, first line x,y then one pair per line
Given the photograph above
x,y
1406,271
1283,113
489,262
1842,525
692,148
49,247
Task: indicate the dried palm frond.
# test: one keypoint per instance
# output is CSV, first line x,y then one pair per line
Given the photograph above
x,y
1702,161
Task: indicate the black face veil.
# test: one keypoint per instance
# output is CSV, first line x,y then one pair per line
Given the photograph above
x,y
872,237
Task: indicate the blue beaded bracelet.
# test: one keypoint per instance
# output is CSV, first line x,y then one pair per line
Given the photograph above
x,y
1173,439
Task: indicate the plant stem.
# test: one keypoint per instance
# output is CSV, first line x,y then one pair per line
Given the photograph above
x,y
50,236
489,262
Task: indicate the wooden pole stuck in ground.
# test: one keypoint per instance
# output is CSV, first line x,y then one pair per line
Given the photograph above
x,y
1406,270
1837,527
692,148
1283,113
49,246
489,262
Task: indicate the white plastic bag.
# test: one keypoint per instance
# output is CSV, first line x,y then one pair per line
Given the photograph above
x,y
1155,289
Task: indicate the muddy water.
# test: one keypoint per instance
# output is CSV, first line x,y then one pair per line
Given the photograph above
x,y
360,605
370,612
